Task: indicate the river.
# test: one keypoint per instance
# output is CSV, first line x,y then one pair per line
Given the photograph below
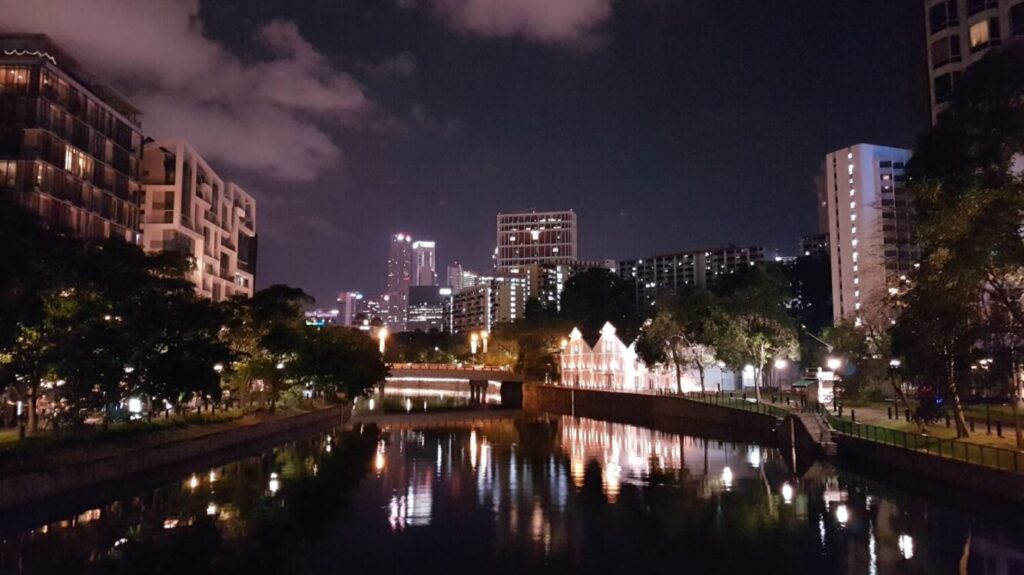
x,y
526,493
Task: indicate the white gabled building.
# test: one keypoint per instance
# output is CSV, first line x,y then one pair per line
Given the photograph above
x,y
611,364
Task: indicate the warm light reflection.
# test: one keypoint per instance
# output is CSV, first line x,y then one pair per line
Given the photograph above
x,y
842,514
274,484
906,546
472,448
787,493
378,460
727,478
193,482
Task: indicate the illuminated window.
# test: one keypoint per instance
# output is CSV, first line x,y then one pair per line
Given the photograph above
x,y
980,35
853,205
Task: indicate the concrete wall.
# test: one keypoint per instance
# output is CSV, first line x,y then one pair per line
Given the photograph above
x,y
646,410
949,471
28,487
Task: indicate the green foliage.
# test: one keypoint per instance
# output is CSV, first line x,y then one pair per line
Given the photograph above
x,y
596,296
685,332
338,361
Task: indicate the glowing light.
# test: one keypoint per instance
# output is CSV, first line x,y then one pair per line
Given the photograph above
x,y
727,478
170,523
372,404
895,363
382,335
134,405
472,448
218,367
378,460
213,476
280,365
781,363
842,514
833,363
754,457
193,482
906,546
787,493
211,509
274,484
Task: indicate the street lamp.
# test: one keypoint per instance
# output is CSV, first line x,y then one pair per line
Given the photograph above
x,y
780,363
483,336
219,367
474,340
382,334
833,363
895,363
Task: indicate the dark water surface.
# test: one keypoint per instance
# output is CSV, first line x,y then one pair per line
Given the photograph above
x,y
520,495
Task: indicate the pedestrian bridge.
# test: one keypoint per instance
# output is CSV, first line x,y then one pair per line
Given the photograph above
x,y
453,376
452,372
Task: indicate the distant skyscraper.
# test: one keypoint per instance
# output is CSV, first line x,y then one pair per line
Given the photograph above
x,y
424,268
426,308
870,234
460,278
670,273
399,279
350,304
536,238
959,34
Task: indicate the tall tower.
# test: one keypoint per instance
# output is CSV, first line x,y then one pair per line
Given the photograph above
x,y
959,33
424,269
871,242
399,280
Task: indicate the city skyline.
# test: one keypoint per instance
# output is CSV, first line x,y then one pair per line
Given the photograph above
x,y
406,121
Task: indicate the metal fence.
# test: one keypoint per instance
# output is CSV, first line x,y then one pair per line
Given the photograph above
x,y
973,453
738,402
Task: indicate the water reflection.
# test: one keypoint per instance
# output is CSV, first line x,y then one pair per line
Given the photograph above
x,y
529,494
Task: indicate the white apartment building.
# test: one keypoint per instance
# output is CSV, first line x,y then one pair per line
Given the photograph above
x,y
959,33
536,238
870,235
187,208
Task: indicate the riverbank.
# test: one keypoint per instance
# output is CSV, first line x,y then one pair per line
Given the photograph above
x,y
63,470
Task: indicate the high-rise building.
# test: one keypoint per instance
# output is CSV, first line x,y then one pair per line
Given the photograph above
x,y
814,245
70,150
871,238
535,238
498,298
426,308
670,273
959,33
424,268
188,208
350,304
399,279
460,278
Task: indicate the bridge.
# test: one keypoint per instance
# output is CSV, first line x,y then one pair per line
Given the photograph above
x,y
455,376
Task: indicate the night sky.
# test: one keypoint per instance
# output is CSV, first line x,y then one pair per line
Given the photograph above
x,y
666,124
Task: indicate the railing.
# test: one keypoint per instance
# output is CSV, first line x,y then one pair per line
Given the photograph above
x,y
730,400
973,453
452,366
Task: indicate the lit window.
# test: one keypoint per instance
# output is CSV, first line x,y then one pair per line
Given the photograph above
x,y
853,230
853,205
854,242
851,168
853,217
856,281
856,306
853,192
980,34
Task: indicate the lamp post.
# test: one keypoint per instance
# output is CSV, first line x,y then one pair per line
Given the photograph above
x,y
474,341
483,337
382,334
778,365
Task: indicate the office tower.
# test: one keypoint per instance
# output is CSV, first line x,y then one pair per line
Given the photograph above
x,y
535,238
870,234
424,269
350,304
460,278
814,245
188,208
426,308
959,33
497,298
70,150
399,279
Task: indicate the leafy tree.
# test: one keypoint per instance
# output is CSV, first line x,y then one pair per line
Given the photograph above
x,y
596,296
966,180
686,331
757,328
338,361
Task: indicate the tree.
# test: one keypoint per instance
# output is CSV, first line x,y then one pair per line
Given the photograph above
x,y
756,327
598,295
686,332
338,361
966,181
265,333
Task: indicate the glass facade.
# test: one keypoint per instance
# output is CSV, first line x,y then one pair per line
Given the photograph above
x,y
66,151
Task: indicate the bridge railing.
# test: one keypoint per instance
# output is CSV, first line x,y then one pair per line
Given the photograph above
x,y
451,367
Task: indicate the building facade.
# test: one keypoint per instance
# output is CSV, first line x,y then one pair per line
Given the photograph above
x,y
188,208
814,245
536,238
871,243
959,33
424,268
498,298
400,277
70,150
350,304
670,273
426,308
460,278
